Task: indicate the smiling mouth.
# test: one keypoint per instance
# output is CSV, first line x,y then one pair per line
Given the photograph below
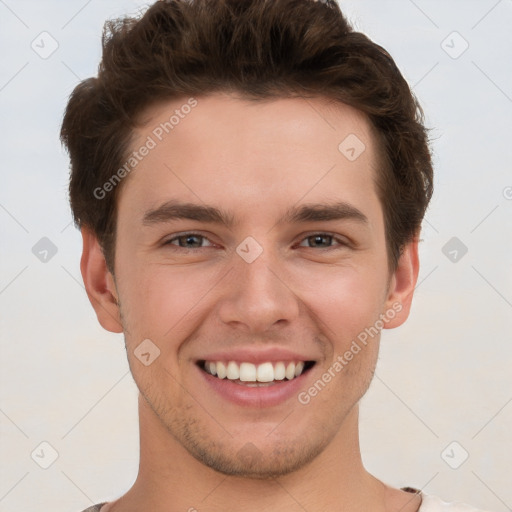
x,y
256,375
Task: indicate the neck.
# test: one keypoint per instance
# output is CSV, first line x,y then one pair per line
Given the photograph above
x,y
170,477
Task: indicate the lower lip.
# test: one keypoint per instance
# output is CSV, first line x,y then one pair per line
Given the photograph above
x,y
263,396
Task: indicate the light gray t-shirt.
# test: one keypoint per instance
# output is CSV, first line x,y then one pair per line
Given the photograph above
x,y
429,504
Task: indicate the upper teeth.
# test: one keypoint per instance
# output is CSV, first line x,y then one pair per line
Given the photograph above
x,y
248,372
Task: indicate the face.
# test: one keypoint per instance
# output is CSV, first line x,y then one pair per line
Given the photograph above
x,y
250,243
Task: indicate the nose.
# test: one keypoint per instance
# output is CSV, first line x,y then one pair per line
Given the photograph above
x,y
258,296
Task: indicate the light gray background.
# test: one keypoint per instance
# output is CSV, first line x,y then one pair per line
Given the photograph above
x,y
444,377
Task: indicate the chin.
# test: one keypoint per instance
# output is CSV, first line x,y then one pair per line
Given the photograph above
x,y
252,463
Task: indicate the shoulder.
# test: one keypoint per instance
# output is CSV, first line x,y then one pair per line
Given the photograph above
x,y
94,508
434,504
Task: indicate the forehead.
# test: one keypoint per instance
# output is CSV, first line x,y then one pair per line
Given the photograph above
x,y
244,153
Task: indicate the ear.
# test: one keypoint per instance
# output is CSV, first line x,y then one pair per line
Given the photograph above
x,y
99,283
401,286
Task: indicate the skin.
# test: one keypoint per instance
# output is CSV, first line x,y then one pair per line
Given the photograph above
x,y
255,161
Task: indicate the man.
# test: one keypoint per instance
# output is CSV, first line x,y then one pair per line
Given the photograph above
x,y
250,179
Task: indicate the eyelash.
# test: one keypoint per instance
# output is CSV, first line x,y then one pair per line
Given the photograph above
x,y
341,242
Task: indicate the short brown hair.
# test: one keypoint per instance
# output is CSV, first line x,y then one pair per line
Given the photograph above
x,y
259,49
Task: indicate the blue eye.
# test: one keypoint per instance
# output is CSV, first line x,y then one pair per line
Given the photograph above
x,y
322,241
193,241
187,241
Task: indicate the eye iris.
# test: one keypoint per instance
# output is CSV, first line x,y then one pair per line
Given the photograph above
x,y
317,239
189,240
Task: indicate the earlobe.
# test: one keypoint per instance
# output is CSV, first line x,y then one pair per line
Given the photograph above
x,y
402,284
99,283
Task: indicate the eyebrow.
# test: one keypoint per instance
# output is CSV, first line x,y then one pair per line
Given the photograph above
x,y
313,212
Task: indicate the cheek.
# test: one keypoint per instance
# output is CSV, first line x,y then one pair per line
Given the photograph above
x,y
164,302
160,300
346,300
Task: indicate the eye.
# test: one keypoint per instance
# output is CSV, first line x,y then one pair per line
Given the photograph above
x,y
322,241
188,241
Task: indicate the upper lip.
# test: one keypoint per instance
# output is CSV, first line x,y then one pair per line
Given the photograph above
x,y
269,354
